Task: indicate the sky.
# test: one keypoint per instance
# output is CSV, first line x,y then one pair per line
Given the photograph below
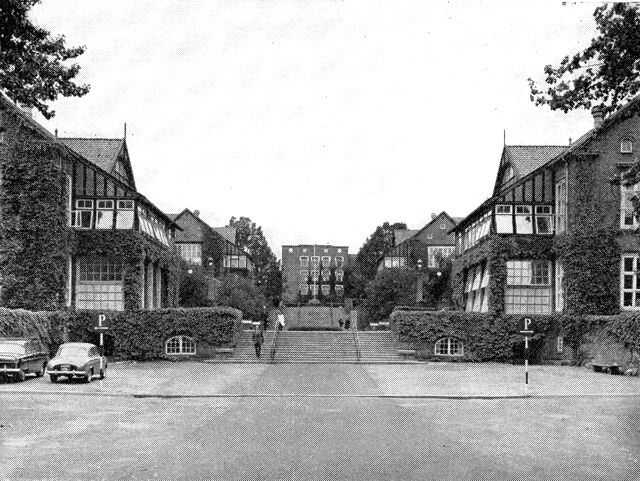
x,y
319,120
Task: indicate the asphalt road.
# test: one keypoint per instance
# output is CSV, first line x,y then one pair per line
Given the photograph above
x,y
301,436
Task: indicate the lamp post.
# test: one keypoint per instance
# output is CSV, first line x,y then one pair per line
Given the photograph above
x,y
419,295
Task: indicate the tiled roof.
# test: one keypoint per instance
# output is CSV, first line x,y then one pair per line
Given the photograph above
x,y
101,152
527,158
401,235
228,233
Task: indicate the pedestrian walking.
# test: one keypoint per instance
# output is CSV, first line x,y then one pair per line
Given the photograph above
x,y
341,322
280,321
258,339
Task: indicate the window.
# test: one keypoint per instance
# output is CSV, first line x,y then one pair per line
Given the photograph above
x,y
560,288
124,218
339,260
304,250
429,236
234,262
391,262
339,290
314,289
528,287
326,273
290,249
629,282
304,261
190,252
181,345
83,215
104,214
339,275
339,251
436,255
449,346
326,251
304,289
627,213
443,226
544,219
524,220
326,261
560,344
504,221
476,231
561,205
315,275
304,274
325,289
99,284
626,146
476,291
315,261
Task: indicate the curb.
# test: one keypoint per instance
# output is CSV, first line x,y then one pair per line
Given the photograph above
x,y
461,397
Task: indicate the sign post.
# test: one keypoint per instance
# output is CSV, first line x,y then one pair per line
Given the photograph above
x,y
527,332
101,323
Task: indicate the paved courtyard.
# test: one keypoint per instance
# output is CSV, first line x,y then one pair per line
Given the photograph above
x,y
308,421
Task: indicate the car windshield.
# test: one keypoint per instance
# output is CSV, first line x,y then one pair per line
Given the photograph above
x,y
11,348
72,351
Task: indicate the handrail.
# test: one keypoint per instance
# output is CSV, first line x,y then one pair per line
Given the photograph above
x,y
274,343
356,342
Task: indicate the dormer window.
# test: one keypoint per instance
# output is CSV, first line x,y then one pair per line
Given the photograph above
x,y
508,175
626,146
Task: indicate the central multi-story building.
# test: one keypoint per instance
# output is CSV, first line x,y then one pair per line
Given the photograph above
x,y
312,270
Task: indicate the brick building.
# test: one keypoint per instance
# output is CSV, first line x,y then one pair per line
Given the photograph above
x,y
95,242
426,247
312,270
558,234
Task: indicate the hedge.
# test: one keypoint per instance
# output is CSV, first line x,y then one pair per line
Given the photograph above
x,y
488,337
47,327
139,335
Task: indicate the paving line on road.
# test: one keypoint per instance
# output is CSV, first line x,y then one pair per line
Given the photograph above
x,y
311,396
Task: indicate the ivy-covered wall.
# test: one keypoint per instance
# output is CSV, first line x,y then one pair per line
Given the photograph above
x,y
35,239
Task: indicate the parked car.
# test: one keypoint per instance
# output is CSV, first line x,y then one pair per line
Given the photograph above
x,y
21,356
77,360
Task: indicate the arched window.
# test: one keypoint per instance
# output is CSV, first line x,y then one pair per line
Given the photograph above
x,y
179,345
626,146
449,346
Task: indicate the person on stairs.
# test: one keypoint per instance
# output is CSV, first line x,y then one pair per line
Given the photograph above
x,y
258,339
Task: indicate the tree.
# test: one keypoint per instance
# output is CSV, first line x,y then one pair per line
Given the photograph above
x,y
240,293
34,64
376,245
606,74
194,287
390,288
249,236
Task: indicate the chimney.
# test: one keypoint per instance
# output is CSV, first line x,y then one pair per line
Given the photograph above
x,y
196,213
433,215
598,116
56,133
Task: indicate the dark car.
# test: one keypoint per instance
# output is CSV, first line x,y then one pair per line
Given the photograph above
x,y
21,356
77,360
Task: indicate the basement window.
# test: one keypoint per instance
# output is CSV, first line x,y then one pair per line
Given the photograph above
x,y
449,346
181,345
626,146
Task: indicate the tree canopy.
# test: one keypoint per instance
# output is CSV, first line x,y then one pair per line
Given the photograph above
x,y
605,74
34,67
376,245
250,237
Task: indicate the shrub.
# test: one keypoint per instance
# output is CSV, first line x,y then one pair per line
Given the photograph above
x,y
242,294
47,327
390,288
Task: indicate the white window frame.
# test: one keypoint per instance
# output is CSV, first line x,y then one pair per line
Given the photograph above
x,y
339,275
523,289
560,344
315,261
504,218
627,206
325,289
458,343
182,340
559,287
634,290
304,274
304,289
561,200
626,145
326,261
304,261
339,260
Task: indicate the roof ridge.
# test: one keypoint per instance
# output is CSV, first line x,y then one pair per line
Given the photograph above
x,y
537,145
91,138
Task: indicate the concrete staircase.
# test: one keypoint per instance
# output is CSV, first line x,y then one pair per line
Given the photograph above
x,y
316,347
245,352
378,346
313,316
321,347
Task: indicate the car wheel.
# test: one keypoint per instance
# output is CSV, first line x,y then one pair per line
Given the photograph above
x,y
21,375
53,378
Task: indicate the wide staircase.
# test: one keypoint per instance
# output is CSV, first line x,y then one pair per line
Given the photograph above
x,y
321,347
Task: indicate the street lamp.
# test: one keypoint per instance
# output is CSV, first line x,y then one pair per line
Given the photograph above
x,y
419,282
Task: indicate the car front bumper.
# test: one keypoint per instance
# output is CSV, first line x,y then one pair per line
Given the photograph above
x,y
9,371
66,373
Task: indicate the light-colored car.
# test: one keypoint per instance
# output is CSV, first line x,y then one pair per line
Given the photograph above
x,y
77,360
